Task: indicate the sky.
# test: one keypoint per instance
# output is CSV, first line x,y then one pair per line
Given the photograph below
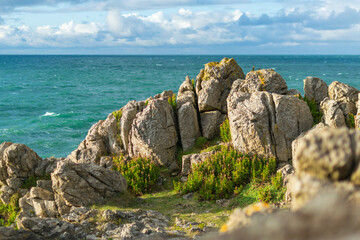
x,y
179,27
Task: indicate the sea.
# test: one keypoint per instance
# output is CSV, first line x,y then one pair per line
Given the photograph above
x,y
50,102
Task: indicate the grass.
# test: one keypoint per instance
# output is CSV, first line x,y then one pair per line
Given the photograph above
x,y
167,201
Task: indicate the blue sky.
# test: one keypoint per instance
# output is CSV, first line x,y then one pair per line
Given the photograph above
x,y
179,27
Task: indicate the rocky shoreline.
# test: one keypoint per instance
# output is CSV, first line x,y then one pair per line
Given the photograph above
x,y
319,161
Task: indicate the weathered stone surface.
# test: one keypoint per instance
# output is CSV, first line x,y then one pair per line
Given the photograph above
x,y
210,123
188,125
84,184
264,80
266,124
186,94
188,161
328,153
153,133
316,89
129,112
101,140
328,216
293,92
357,117
213,84
17,161
333,115
295,143
346,95
9,233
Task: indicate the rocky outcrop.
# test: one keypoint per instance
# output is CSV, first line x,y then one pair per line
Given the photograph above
x,y
264,80
357,117
213,85
101,140
346,95
153,133
84,184
128,115
17,163
328,216
315,89
265,123
187,113
210,122
333,115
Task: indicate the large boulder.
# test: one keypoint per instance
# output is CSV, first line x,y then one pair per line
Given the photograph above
x,y
357,117
315,89
84,184
153,133
128,115
266,123
328,216
333,115
346,95
328,153
210,122
188,125
187,113
264,80
101,140
213,85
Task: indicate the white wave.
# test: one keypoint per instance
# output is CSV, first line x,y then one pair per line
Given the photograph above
x,y
158,64
339,73
50,114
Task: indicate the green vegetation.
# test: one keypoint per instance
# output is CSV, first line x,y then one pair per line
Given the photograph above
x,y
225,172
117,115
141,174
314,109
193,83
8,212
225,133
31,181
172,101
350,120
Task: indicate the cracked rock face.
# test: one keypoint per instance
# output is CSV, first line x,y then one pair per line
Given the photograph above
x,y
84,184
316,89
333,115
265,123
153,133
346,95
101,140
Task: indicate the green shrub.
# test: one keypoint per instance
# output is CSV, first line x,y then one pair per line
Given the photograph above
x,y
9,212
224,174
193,83
277,181
212,148
314,109
265,194
141,174
225,131
350,120
201,142
31,181
117,115
172,101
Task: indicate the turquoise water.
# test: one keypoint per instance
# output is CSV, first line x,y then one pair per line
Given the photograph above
x,y
50,102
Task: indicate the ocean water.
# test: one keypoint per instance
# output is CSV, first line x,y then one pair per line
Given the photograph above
x,y
50,102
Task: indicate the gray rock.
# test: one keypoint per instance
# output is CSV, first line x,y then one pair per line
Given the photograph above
x,y
210,123
9,233
153,134
327,153
357,117
186,94
316,89
346,95
333,115
213,84
101,140
266,124
293,92
129,112
84,184
264,80
188,125
315,221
